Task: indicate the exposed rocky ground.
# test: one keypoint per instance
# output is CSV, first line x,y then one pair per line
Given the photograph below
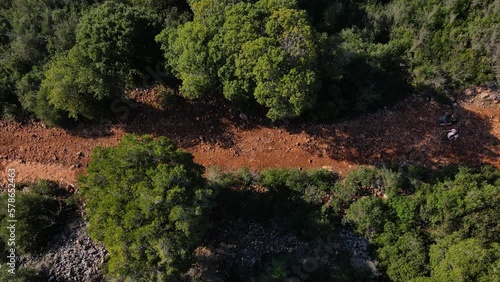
x,y
236,249
230,250
71,256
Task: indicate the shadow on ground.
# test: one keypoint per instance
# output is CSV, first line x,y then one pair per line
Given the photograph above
x,y
405,133
408,133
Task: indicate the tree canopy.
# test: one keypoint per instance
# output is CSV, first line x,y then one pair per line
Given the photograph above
x,y
263,51
145,203
102,64
445,230
316,59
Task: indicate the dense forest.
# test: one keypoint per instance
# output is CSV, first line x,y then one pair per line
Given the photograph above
x,y
75,60
157,211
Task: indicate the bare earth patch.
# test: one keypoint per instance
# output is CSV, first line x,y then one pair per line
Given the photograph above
x,y
218,136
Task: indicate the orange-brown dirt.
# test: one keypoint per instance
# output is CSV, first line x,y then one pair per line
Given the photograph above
x,y
216,135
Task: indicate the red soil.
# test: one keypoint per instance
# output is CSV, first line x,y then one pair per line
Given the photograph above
x,y
217,135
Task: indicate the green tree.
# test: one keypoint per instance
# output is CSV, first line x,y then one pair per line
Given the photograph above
x,y
111,44
403,256
146,202
163,8
263,52
40,215
37,30
368,214
465,260
466,203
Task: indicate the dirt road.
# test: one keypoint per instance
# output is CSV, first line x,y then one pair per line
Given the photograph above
x,y
218,136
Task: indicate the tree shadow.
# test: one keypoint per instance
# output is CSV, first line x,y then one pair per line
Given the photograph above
x,y
189,123
211,121
404,133
408,132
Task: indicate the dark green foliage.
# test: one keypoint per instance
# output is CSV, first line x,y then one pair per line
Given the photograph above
x,y
146,202
22,275
368,215
404,257
7,97
373,50
405,211
40,214
84,62
363,182
447,230
321,59
423,225
447,44
313,185
112,42
294,199
357,74
164,9
37,30
263,52
469,203
5,28
457,259
3,248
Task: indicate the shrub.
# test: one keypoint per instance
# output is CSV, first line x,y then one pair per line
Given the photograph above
x,y
22,275
464,260
368,215
147,202
40,216
251,49
405,210
216,176
405,258
456,209
110,49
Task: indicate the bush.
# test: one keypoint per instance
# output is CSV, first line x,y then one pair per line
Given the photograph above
x,y
405,210
368,215
468,202
282,178
464,260
250,49
22,275
102,64
40,215
455,209
153,211
217,177
364,181
38,30
405,258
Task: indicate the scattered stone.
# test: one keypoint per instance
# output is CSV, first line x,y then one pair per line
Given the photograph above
x,y
72,256
485,95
